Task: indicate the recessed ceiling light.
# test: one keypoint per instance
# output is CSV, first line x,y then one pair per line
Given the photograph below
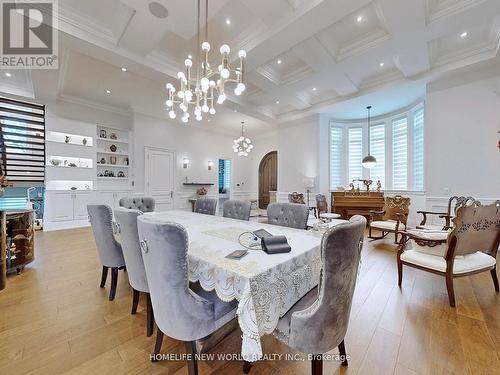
x,y
314,88
124,69
190,56
464,34
108,91
277,102
8,74
228,21
381,64
359,19
235,110
278,62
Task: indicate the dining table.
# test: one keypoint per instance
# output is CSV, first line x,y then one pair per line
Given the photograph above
x,y
265,285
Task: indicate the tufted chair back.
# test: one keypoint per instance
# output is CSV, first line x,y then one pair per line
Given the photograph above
x,y
236,210
143,204
179,312
323,325
127,224
205,206
109,250
291,215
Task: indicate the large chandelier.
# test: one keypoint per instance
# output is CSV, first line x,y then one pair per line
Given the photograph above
x,y
242,145
209,86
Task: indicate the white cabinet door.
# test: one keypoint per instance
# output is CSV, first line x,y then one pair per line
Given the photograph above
x,y
60,206
160,177
81,200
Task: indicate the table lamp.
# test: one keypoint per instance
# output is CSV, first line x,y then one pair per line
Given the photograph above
x,y
309,184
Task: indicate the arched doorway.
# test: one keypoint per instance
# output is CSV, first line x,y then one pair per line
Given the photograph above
x,y
268,177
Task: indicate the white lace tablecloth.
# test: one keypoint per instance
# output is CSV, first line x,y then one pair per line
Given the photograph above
x,y
266,286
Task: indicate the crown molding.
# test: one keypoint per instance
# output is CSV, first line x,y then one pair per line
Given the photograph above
x,y
360,45
71,17
91,104
448,8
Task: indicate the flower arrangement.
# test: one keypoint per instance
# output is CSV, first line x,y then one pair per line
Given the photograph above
x,y
201,191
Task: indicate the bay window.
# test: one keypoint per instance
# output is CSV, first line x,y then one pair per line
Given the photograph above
x,y
396,141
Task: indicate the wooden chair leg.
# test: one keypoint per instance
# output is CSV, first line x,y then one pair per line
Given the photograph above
x,y
114,282
159,341
343,353
149,316
400,272
247,366
449,287
104,276
135,301
317,366
192,363
494,277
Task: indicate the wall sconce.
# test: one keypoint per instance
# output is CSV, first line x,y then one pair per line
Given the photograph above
x,y
185,163
210,165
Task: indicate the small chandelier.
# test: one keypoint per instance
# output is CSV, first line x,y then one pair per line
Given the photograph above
x,y
369,161
209,86
242,145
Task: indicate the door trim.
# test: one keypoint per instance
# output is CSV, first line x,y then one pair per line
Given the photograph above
x,y
152,148
260,174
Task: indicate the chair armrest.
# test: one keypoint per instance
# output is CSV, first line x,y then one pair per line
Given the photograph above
x,y
431,213
373,212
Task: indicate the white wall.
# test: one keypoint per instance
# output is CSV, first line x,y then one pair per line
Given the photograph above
x,y
462,157
199,146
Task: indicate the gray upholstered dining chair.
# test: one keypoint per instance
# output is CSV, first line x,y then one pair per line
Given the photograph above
x,y
180,312
143,204
109,250
205,206
318,322
236,209
127,226
291,215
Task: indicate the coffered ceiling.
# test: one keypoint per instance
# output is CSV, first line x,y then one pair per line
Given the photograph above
x,y
304,56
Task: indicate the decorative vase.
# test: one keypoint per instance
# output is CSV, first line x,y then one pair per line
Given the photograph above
x,y
67,139
113,148
84,141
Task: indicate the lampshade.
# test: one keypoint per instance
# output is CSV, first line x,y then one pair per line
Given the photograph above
x,y
308,182
369,162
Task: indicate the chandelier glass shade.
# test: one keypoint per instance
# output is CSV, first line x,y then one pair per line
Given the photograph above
x,y
209,86
242,145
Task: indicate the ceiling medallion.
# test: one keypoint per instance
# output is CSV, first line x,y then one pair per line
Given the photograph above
x,y
242,145
209,85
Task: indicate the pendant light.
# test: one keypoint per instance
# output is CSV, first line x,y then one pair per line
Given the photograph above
x,y
369,161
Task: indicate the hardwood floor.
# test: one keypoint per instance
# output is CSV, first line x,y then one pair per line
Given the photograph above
x,y
55,319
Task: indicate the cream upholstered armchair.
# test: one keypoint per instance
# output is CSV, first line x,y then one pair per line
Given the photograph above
x,y
453,204
470,248
391,219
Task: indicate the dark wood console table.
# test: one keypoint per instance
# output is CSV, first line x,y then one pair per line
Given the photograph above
x,y
17,241
347,204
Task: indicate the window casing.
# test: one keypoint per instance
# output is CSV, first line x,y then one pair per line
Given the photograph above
x,y
396,141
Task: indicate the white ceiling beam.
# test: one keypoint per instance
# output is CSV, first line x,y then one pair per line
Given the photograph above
x,y
313,53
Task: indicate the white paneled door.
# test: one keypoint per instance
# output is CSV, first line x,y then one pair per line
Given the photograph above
x,y
160,177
